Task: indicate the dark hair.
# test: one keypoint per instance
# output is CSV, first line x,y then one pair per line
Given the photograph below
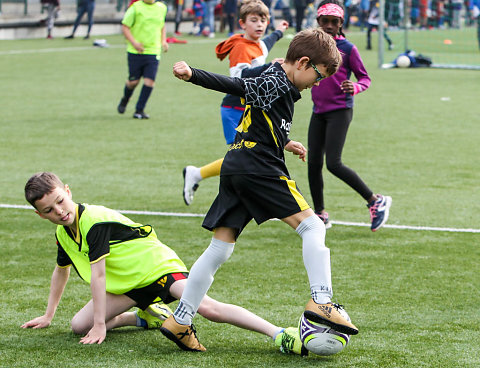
x,y
336,2
40,184
318,46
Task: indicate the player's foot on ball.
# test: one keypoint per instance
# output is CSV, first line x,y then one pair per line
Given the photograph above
x,y
184,336
328,314
379,211
324,217
190,184
154,315
140,115
122,105
289,342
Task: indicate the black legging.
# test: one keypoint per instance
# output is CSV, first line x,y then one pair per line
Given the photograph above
x,y
326,137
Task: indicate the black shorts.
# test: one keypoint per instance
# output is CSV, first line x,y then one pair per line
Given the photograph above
x,y
243,197
158,289
140,65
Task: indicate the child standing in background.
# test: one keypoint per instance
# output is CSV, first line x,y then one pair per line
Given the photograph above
x,y
245,51
144,28
52,7
331,117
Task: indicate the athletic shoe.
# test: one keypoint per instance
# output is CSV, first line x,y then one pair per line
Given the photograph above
x,y
122,105
325,219
329,315
289,342
184,336
154,315
379,211
69,37
140,115
190,185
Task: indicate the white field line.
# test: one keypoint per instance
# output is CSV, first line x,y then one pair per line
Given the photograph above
x,y
84,48
55,49
342,223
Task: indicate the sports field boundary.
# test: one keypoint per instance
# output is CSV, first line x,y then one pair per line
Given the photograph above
x,y
341,223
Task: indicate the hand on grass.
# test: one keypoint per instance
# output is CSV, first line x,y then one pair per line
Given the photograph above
x,y
297,149
39,322
181,70
95,336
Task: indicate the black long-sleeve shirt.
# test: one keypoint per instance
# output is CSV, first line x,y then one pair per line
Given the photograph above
x,y
263,131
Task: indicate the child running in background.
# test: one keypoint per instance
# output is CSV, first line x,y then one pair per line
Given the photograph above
x,y
374,22
143,26
331,117
126,265
245,51
255,183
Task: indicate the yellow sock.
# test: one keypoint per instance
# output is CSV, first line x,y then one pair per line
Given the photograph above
x,y
211,169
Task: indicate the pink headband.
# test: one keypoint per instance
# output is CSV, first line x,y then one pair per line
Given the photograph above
x,y
330,9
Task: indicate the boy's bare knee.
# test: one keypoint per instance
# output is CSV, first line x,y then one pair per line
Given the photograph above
x,y
132,84
78,327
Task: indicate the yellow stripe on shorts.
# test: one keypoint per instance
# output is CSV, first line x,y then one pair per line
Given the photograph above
x,y
302,203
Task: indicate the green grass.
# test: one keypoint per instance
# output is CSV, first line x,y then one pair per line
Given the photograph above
x,y
413,294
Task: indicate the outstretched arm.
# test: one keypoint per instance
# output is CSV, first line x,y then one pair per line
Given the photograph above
x,y
57,285
216,82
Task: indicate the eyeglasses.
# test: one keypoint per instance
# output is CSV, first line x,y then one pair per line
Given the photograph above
x,y
320,75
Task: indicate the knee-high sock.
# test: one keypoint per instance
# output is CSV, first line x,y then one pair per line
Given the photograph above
x,y
316,257
211,169
127,93
200,279
143,98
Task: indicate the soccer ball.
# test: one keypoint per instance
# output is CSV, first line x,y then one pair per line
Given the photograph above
x,y
321,339
403,61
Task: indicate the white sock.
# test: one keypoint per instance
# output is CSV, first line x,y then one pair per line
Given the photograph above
x,y
196,174
316,257
200,279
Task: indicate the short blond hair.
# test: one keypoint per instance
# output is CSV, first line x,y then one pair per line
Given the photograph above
x,y
318,46
257,7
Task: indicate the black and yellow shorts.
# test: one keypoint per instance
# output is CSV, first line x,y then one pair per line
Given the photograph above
x,y
243,197
157,289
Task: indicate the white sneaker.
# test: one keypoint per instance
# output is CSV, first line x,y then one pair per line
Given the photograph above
x,y
211,35
190,184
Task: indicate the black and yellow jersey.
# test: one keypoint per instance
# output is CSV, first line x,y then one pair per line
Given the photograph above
x,y
263,131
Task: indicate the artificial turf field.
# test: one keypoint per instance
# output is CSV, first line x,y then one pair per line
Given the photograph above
x,y
412,288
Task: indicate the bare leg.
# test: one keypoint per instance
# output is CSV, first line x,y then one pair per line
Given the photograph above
x,y
216,311
116,315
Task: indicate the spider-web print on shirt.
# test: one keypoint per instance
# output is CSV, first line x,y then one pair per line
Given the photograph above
x,y
264,90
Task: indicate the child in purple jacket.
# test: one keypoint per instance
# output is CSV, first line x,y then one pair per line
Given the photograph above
x,y
331,117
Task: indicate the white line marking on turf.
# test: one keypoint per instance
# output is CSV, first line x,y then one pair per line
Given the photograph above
x,y
55,49
83,48
343,223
